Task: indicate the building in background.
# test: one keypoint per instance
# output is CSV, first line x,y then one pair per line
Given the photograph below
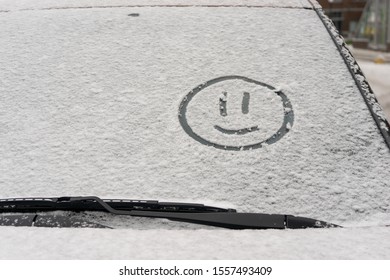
x,y
345,14
373,30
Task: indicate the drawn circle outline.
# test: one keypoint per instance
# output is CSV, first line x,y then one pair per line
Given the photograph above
x,y
287,108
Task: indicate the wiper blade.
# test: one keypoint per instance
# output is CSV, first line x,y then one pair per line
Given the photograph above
x,y
93,203
184,212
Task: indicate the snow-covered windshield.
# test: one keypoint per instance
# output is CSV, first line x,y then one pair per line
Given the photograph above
x,y
251,108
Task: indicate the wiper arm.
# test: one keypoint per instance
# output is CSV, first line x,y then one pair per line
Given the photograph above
x,y
184,212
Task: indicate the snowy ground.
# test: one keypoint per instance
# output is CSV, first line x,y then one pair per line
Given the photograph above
x,y
378,77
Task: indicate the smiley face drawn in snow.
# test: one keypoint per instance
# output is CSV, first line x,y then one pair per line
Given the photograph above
x,y
236,113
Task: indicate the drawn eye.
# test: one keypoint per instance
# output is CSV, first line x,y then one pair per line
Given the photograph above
x,y
245,103
222,104
223,101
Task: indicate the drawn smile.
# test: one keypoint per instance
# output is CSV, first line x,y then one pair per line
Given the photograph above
x,y
241,131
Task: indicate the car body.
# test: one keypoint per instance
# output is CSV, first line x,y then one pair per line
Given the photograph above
x,y
254,105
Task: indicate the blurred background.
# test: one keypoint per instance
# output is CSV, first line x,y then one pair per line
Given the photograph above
x,y
365,25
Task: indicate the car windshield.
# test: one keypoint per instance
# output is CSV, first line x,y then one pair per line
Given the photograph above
x,y
248,108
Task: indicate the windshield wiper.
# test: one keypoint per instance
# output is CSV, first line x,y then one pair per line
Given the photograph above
x,y
183,212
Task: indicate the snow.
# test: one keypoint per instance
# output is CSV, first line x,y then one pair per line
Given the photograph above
x,y
40,243
378,76
10,5
89,106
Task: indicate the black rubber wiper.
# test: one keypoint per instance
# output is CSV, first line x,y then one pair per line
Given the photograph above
x,y
184,212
